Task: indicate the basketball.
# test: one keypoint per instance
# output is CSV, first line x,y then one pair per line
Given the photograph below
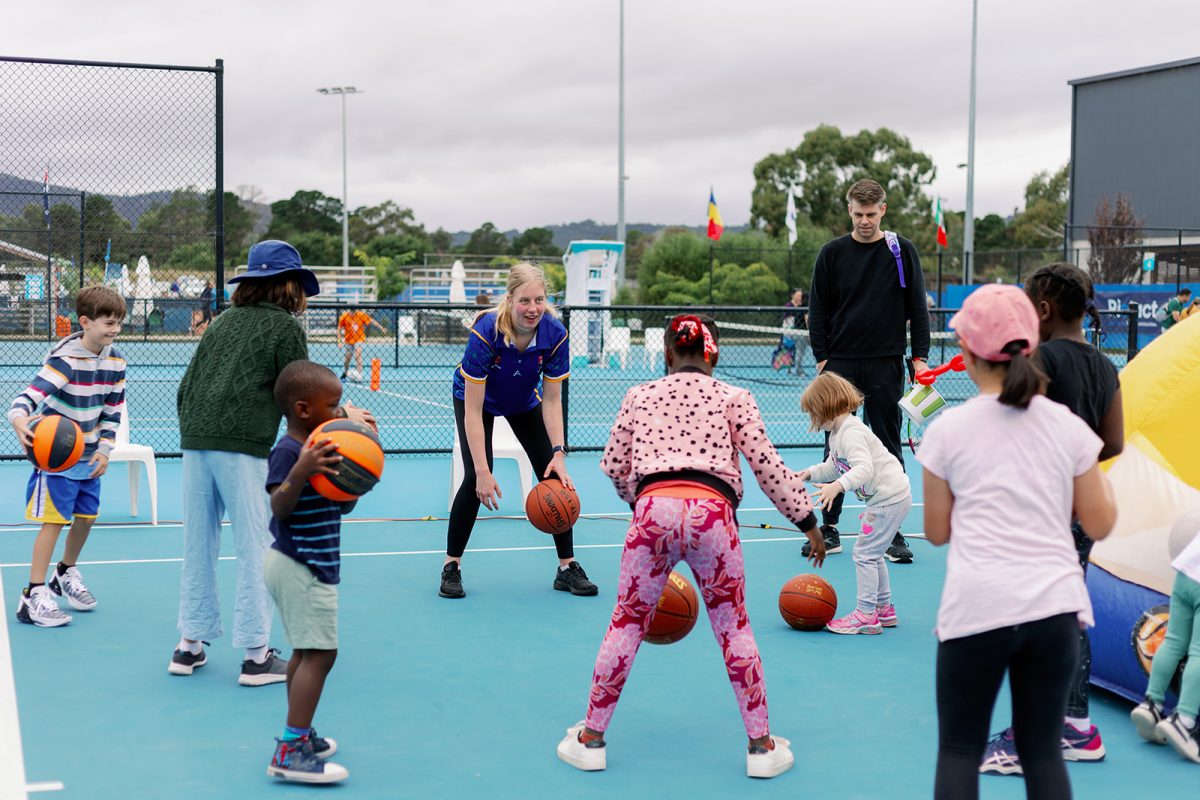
x,y
362,460
807,602
676,612
552,507
57,443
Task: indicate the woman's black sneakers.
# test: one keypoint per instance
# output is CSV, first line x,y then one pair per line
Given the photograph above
x,y
451,582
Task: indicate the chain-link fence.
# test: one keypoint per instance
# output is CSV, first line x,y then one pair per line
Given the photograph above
x,y
764,350
109,173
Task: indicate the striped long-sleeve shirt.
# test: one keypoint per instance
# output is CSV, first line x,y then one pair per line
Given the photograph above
x,y
83,386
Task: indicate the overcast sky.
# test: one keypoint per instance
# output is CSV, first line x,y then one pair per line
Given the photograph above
x,y
506,111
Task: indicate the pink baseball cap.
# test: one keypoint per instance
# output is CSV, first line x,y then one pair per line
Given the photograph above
x,y
994,315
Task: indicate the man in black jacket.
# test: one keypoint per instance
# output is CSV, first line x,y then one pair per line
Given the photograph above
x,y
867,293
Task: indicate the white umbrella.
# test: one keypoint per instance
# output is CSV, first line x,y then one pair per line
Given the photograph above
x,y
458,289
143,286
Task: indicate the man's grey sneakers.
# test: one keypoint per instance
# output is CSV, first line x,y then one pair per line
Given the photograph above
x,y
273,669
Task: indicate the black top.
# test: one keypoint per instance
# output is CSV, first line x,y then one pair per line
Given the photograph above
x,y
857,308
312,535
1081,378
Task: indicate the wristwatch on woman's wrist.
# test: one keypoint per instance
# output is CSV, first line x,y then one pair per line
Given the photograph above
x,y
559,448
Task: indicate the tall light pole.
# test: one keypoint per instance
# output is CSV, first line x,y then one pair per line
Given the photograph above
x,y
621,151
969,219
343,91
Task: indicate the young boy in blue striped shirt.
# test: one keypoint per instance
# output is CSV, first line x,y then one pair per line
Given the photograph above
x,y
303,566
82,379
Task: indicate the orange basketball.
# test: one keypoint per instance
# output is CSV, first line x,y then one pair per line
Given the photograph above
x,y
57,443
552,507
362,460
676,612
807,602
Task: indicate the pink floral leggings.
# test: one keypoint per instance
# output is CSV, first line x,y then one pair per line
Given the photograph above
x,y
665,531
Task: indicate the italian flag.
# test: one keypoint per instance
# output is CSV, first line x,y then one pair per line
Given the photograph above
x,y
939,222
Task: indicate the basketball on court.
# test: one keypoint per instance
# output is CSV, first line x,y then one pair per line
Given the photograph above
x,y
807,602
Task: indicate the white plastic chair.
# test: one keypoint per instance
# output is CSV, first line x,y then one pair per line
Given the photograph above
x,y
136,455
504,445
652,354
406,327
617,343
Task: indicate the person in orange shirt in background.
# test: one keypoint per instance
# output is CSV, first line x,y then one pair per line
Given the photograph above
x,y
352,332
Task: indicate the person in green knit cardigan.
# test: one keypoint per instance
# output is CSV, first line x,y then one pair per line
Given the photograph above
x,y
228,422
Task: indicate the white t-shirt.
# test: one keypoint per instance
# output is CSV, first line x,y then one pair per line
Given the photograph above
x,y
1012,556
860,462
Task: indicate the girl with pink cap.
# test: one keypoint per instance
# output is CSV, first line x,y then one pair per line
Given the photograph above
x,y
1002,473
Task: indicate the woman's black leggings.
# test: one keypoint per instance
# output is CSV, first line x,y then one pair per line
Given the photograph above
x,y
530,431
1040,658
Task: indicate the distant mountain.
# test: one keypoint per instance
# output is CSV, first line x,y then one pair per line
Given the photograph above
x,y
590,229
129,206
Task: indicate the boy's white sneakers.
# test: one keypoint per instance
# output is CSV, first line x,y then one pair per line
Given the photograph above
x,y
71,586
40,609
587,757
764,763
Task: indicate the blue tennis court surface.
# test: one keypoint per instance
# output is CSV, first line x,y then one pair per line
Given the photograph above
x,y
436,698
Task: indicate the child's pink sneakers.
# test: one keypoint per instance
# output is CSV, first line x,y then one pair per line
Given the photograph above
x,y
887,616
856,622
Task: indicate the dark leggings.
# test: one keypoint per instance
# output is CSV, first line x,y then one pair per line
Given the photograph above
x,y
1040,658
881,381
1077,699
530,431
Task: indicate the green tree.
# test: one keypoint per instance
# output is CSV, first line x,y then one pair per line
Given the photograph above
x,y
306,211
487,241
1115,233
636,244
991,233
318,248
197,256
535,242
182,220
1040,223
102,223
676,252
440,241
755,285
825,164
390,278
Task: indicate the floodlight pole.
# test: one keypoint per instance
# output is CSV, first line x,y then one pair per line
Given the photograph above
x,y
343,91
621,150
969,217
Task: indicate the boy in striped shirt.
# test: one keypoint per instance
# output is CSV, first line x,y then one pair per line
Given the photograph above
x,y
82,379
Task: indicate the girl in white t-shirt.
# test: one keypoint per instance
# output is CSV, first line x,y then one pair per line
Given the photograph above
x,y
1002,473
858,462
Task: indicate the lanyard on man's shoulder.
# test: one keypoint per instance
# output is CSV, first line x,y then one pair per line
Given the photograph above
x,y
893,243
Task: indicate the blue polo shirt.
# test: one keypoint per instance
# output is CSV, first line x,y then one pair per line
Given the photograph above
x,y
312,535
512,378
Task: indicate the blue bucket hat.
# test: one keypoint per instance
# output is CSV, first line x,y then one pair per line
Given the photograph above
x,y
272,257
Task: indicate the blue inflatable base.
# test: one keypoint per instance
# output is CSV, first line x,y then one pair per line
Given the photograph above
x,y
1118,605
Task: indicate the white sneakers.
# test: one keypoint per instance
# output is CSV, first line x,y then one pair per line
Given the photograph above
x,y
71,586
587,757
763,763
40,609
760,762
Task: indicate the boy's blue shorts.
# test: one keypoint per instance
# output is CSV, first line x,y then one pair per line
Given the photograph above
x,y
56,499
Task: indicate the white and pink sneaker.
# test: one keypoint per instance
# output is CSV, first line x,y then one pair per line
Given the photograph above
x,y
856,622
887,616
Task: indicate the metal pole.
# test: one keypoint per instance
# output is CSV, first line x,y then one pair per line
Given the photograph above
x,y
940,301
1178,260
219,291
710,273
621,150
566,405
969,217
82,202
1135,315
345,200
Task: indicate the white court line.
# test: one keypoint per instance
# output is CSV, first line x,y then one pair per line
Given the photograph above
x,y
442,551
12,760
44,786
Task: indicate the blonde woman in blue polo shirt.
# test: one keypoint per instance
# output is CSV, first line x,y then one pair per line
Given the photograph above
x,y
511,349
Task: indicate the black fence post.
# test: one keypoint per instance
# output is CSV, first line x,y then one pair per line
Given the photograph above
x,y
1178,260
566,385
396,336
710,273
82,202
220,179
940,300
1131,346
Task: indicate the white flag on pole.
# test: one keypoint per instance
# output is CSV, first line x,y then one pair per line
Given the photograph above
x,y
791,217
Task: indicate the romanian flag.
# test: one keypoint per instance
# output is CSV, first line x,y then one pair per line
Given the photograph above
x,y
715,225
939,222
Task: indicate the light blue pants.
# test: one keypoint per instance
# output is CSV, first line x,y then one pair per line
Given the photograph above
x,y
1183,638
215,482
879,525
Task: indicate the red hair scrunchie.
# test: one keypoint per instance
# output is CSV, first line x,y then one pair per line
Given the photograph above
x,y
688,328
